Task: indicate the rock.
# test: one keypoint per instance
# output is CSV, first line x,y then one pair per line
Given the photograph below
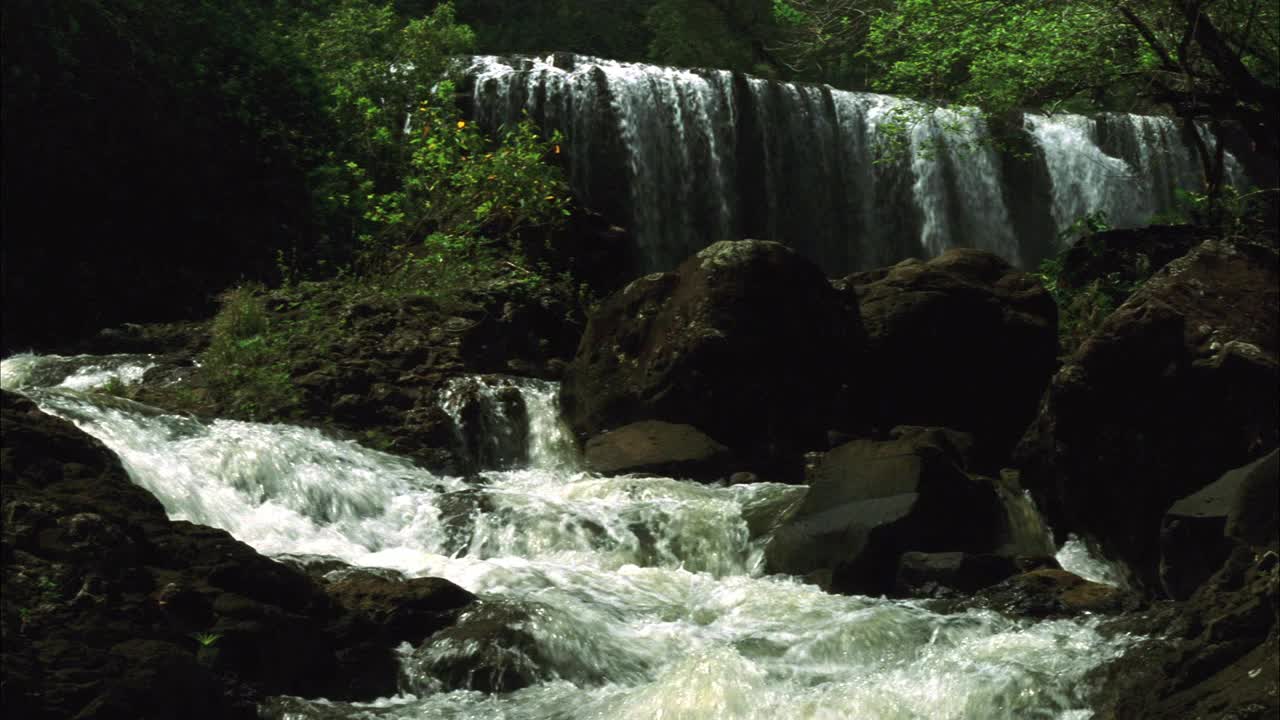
x,y
871,501
1254,517
487,650
375,370
179,338
1052,592
588,247
384,612
491,420
1214,655
1194,540
1177,384
658,448
943,574
1130,255
401,610
746,341
962,341
109,606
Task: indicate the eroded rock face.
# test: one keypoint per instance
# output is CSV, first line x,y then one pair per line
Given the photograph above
x,y
746,341
1178,385
109,607
963,341
871,501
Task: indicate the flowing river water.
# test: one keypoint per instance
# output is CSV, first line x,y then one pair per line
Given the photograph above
x,y
645,596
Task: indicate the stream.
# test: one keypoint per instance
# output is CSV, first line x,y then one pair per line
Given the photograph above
x,y
645,596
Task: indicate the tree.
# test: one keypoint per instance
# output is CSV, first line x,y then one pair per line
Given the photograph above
x,y
403,166
823,39
730,34
1213,61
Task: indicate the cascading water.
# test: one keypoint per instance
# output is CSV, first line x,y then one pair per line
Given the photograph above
x,y
689,157
645,596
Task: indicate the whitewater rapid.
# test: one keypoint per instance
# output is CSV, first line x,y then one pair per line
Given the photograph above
x,y
645,596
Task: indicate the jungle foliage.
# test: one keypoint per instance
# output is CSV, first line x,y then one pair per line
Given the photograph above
x,y
169,149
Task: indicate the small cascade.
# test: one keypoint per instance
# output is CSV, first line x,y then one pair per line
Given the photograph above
x,y
507,422
629,597
1028,534
1076,556
689,157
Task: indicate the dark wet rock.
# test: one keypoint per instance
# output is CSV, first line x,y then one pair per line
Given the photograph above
x,y
962,341
1128,255
488,650
404,610
1199,531
658,448
490,419
870,501
1177,385
385,611
1254,517
746,341
317,566
458,512
947,574
587,246
109,607
179,338
1214,655
375,369
1051,592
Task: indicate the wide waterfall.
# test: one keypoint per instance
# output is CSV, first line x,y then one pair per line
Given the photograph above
x,y
853,180
646,593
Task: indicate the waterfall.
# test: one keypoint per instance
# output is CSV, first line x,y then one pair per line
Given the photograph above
x,y
689,157
645,595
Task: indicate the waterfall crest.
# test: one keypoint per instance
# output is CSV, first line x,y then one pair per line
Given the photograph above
x,y
690,157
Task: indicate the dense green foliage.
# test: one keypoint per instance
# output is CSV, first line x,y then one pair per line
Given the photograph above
x,y
165,150
137,133
1202,60
404,166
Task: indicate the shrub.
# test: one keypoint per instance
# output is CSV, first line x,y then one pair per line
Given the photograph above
x,y
245,364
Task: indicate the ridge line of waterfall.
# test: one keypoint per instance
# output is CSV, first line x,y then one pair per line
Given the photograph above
x,y
688,157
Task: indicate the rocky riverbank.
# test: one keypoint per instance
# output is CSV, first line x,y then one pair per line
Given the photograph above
x,y
897,396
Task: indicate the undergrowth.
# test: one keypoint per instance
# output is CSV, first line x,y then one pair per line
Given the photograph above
x,y
245,365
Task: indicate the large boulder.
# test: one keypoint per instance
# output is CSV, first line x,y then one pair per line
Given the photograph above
x,y
1177,385
1199,532
385,610
869,502
110,609
1216,655
963,341
658,448
746,341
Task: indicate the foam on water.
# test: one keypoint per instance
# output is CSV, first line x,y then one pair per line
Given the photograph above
x,y
684,158
644,596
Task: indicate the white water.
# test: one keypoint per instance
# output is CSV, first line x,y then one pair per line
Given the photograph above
x,y
645,595
704,155
1074,556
